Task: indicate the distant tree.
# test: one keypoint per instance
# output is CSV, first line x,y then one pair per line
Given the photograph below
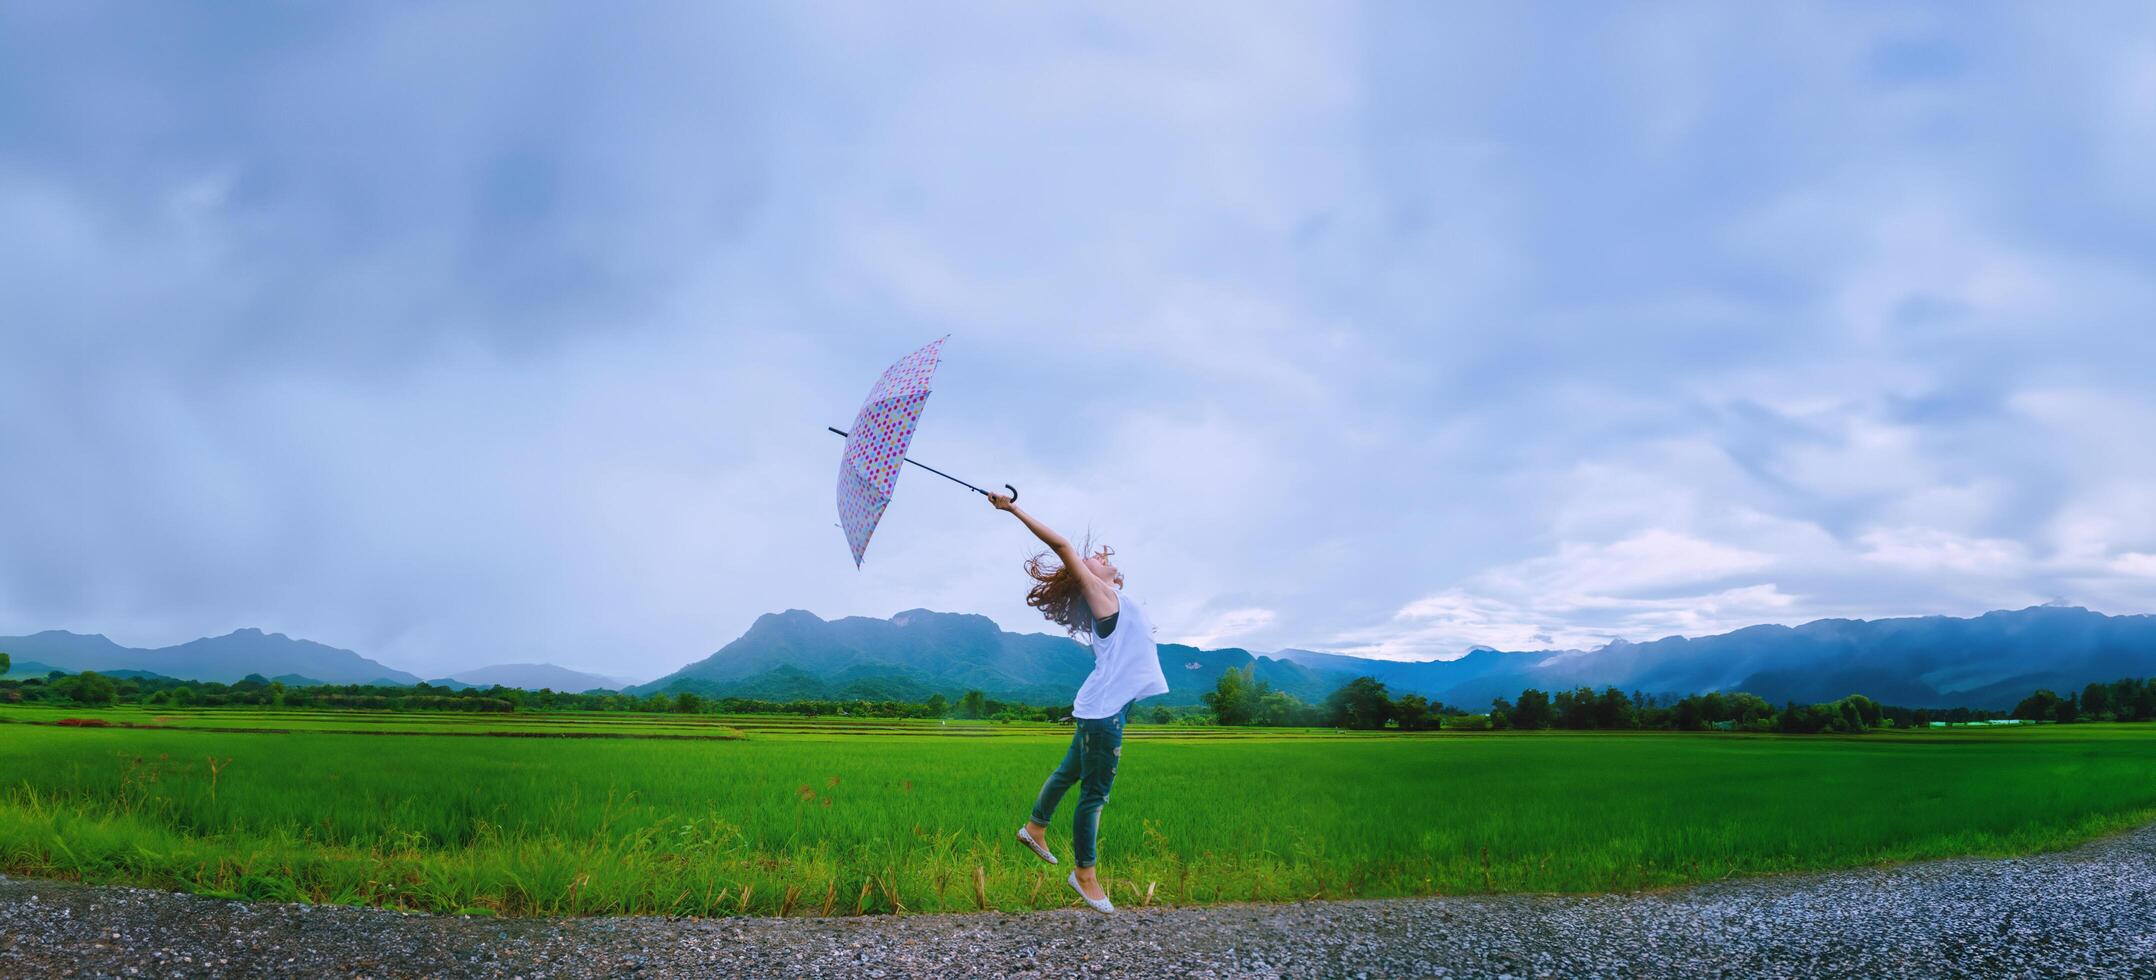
x,y
688,702
1854,713
1809,719
1279,709
1613,710
1161,714
1654,711
1413,713
1576,709
2129,700
2069,710
1747,711
2096,701
2040,706
1565,712
4,663
1234,698
1922,718
938,705
91,687
1500,713
1534,712
1360,703
973,704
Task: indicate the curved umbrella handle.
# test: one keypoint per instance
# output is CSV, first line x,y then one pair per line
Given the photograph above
x,y
931,469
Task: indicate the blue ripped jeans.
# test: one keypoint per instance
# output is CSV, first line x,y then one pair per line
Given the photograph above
x,y
1096,747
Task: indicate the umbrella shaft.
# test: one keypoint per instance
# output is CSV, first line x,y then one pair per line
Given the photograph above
x,y
924,466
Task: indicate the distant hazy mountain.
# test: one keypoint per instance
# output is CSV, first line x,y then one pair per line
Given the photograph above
x,y
531,677
1458,682
1987,661
916,653
224,658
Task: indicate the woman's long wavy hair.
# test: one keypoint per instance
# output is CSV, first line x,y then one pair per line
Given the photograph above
x,y
1055,590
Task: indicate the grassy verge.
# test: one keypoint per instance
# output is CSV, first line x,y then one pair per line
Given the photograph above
x,y
811,818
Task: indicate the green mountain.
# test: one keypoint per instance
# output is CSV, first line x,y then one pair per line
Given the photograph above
x,y
796,655
218,658
531,677
1987,661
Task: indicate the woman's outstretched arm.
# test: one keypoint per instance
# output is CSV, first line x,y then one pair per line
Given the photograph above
x,y
1098,596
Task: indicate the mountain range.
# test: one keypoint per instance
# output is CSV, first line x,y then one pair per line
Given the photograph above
x,y
531,677
916,653
275,656
1987,661
224,658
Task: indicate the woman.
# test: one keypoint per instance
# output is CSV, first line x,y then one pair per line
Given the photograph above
x,y
1083,593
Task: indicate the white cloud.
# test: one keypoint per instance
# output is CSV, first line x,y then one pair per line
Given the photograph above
x,y
1226,628
1447,625
1382,324
1650,559
1865,456
1929,549
1642,586
2137,563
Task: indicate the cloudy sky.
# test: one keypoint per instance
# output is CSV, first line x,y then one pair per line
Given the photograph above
x,y
469,333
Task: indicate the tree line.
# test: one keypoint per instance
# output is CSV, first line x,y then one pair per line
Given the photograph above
x,y
92,689
1239,698
1585,709
2125,699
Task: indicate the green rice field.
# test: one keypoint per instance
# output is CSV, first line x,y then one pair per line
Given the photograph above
x,y
763,814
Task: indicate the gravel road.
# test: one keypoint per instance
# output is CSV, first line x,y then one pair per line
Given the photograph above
x,y
2086,912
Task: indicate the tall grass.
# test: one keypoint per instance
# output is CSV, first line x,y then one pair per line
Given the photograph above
x,y
826,822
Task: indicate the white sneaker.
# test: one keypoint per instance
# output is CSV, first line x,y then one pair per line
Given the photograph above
x,y
1099,904
1036,846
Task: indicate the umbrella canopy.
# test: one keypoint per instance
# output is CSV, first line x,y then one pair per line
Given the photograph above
x,y
876,445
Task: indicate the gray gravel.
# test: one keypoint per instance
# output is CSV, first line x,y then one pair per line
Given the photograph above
x,y
2086,912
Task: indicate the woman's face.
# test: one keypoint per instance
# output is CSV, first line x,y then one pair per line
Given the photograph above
x,y
1102,568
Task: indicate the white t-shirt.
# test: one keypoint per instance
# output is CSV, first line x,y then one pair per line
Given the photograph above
x,y
1126,665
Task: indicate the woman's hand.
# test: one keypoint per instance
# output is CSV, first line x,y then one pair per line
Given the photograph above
x,y
1054,541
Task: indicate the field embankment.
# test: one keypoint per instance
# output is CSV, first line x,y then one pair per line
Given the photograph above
x,y
814,816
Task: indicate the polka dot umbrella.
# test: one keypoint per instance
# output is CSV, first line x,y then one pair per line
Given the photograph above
x,y
868,470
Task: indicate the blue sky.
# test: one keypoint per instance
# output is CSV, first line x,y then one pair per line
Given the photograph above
x,y
472,333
